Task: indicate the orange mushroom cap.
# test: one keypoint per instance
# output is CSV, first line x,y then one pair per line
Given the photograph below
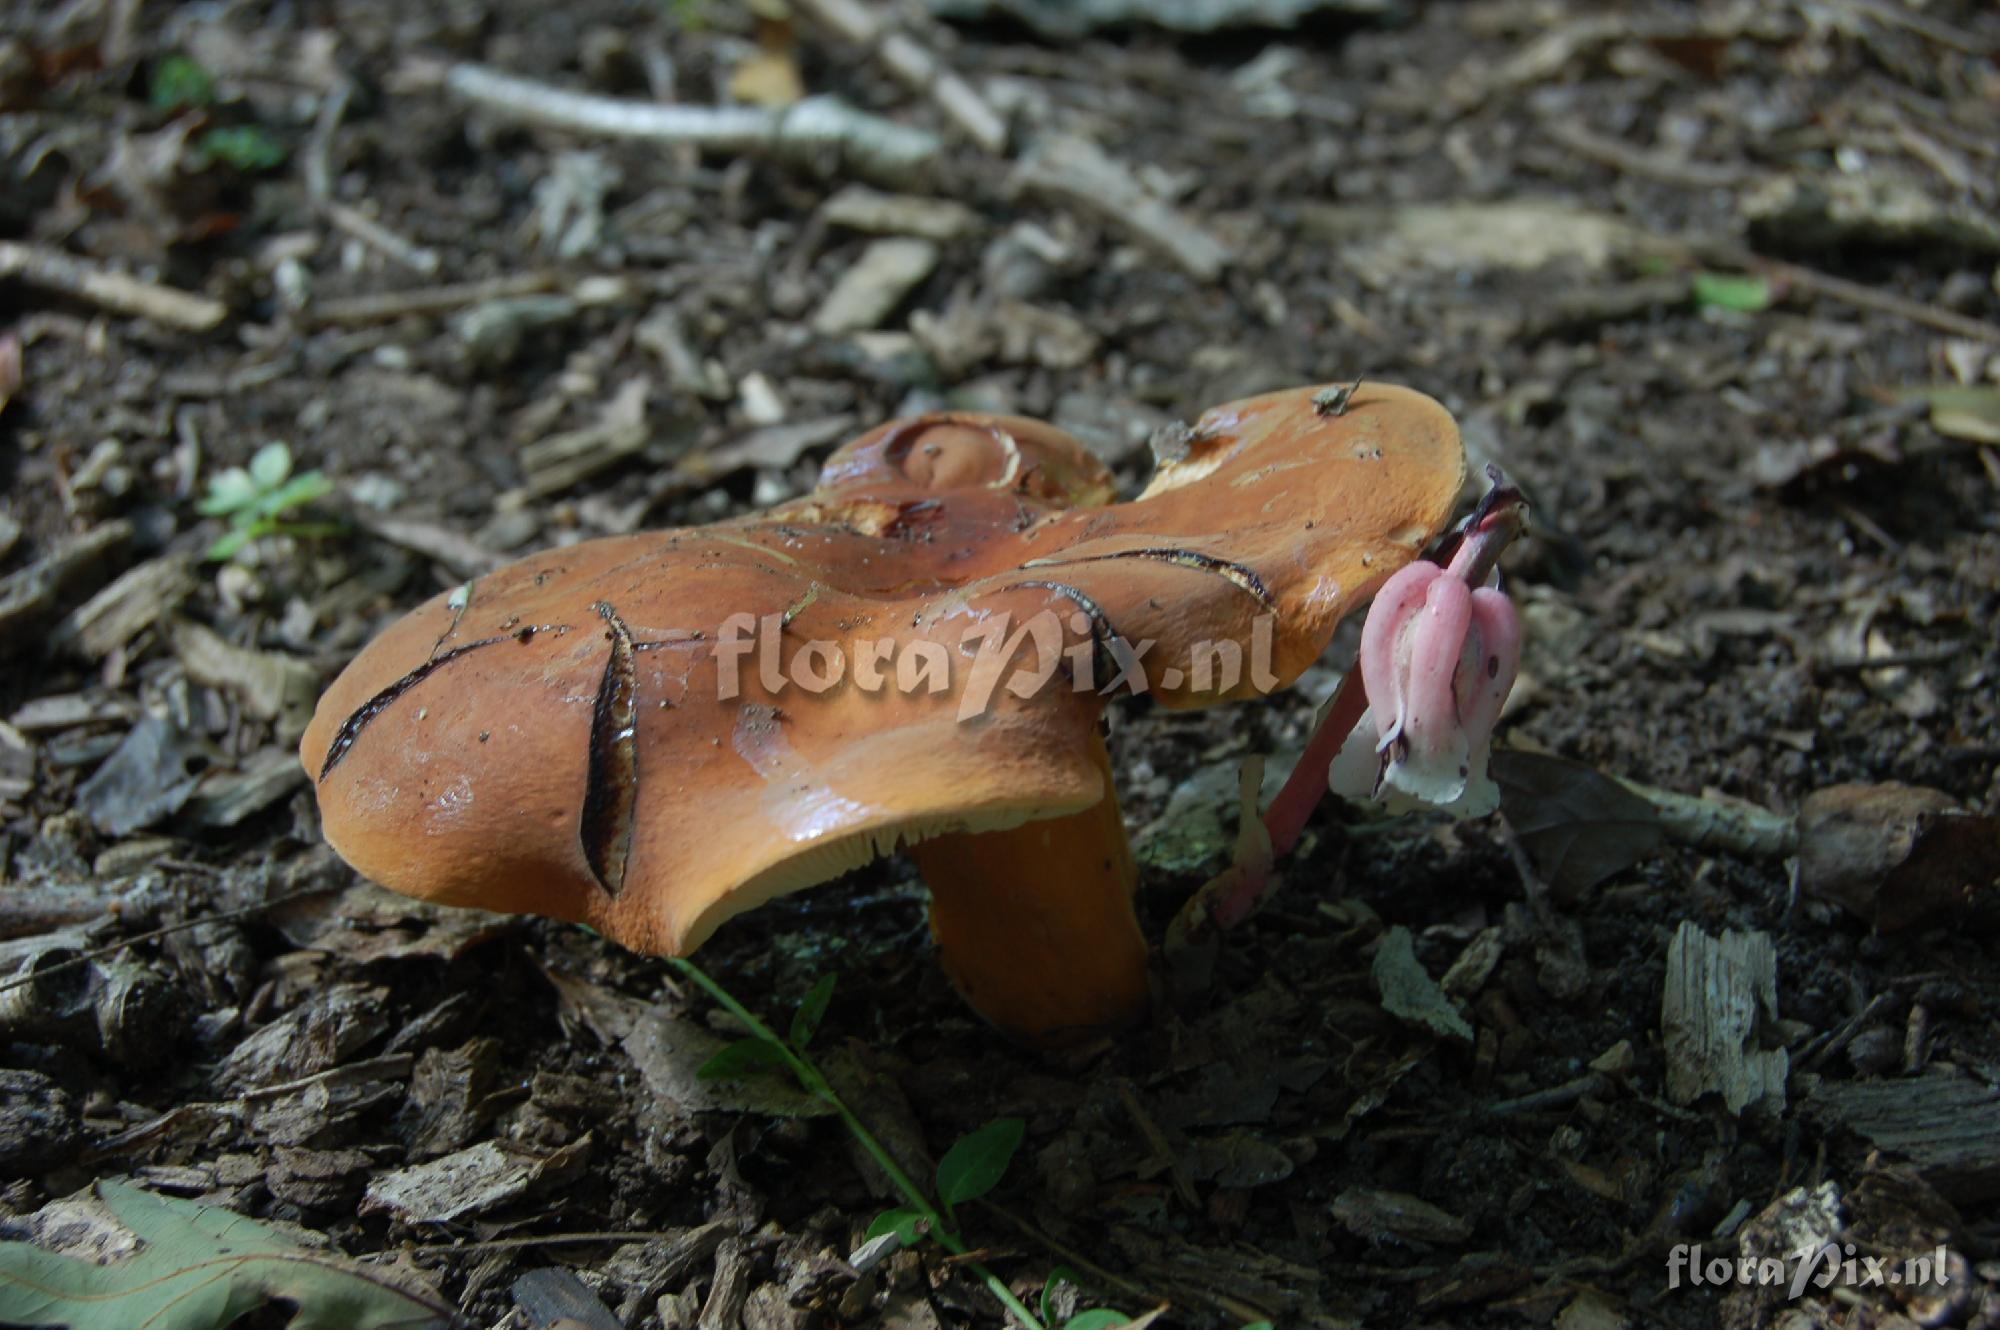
x,y
653,733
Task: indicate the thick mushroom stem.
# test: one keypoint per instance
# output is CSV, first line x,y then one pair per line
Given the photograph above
x,y
1034,925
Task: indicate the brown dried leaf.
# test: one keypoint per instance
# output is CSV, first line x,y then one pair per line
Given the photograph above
x,y
1895,854
1579,825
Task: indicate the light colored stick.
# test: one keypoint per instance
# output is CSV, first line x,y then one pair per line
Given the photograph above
x,y
913,63
53,270
1078,172
806,131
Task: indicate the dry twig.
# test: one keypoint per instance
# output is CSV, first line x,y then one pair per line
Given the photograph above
x,y
916,66
1632,160
1077,171
52,270
807,131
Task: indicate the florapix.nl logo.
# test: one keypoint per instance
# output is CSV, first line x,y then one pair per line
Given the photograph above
x,y
1819,1268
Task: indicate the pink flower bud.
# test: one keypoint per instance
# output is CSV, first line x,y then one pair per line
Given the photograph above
x,y
1437,659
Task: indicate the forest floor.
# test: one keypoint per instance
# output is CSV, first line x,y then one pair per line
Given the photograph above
x,y
1715,283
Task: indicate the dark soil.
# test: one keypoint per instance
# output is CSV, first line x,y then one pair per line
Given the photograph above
x,y
1760,570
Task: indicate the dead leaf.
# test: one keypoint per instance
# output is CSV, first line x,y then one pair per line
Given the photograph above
x,y
1958,412
1577,824
202,1266
1896,855
1408,991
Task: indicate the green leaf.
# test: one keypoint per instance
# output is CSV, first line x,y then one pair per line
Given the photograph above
x,y
745,1057
976,1163
1257,1325
812,1010
201,1268
228,491
179,82
908,1225
271,464
1059,1276
300,489
245,147
1098,1318
1732,291
229,542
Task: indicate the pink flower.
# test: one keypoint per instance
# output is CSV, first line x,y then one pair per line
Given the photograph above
x,y
1438,657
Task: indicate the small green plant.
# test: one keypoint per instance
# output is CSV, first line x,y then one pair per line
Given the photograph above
x,y
972,1167
247,148
179,84
256,498
1740,293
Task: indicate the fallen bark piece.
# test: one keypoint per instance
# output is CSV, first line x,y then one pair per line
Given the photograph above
x,y
1717,989
1896,855
470,1182
1948,1126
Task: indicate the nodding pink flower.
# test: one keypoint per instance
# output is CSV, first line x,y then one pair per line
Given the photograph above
x,y
1438,657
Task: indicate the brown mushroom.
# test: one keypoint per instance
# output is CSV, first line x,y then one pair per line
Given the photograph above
x,y
653,733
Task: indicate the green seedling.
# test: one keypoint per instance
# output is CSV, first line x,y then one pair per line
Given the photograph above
x,y
1737,292
246,148
255,500
178,84
972,1167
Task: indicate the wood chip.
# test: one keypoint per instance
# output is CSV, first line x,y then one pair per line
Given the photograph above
x,y
553,464
859,208
555,1299
867,293
464,556
67,711
30,596
726,1296
136,600
470,1182
225,799
1948,1126
1373,1215
773,446
1717,991
270,684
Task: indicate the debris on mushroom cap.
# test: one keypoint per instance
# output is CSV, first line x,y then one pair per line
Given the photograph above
x,y
652,733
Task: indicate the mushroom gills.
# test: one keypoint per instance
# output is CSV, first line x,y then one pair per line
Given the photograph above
x,y
1034,925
